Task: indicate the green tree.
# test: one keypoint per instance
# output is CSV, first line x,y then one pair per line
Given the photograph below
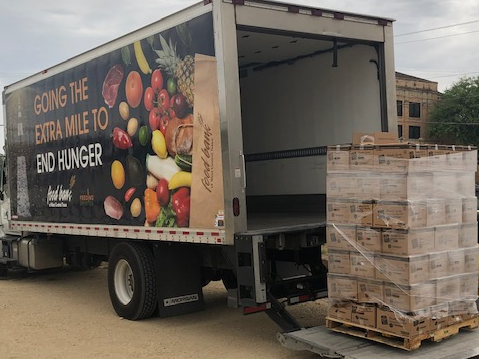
x,y
455,118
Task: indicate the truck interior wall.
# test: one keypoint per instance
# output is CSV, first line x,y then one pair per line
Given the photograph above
x,y
308,103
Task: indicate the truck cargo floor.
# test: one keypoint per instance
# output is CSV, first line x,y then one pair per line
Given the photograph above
x,y
264,223
321,340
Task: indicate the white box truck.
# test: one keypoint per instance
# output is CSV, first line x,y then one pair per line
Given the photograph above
x,y
192,150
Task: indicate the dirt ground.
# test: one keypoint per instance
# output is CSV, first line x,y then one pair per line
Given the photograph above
x,y
67,314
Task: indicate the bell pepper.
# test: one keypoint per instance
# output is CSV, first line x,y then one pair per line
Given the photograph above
x,y
121,139
152,207
180,201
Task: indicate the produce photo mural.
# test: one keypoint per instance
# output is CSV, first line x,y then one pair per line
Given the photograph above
x,y
122,125
162,169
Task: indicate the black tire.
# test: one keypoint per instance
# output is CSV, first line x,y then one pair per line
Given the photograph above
x,y
132,280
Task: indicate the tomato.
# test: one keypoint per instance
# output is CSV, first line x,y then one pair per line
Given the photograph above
x,y
162,192
154,119
163,101
157,80
148,98
164,121
171,113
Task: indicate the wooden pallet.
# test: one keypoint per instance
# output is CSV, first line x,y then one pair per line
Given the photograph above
x,y
398,341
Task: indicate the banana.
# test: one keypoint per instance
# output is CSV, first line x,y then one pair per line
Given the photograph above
x,y
180,179
141,59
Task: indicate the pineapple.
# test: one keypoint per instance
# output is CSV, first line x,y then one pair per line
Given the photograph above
x,y
183,70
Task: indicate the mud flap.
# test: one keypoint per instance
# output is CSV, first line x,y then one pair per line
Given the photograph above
x,y
178,279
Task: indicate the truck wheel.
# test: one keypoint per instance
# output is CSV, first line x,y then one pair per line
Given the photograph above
x,y
132,281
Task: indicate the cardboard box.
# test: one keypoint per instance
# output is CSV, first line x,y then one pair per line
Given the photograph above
x,y
353,185
338,262
446,237
374,138
341,311
444,185
454,159
402,270
410,298
340,185
364,314
468,235
469,158
342,287
468,284
340,236
338,158
393,186
361,158
403,187
438,265
453,211
408,326
362,265
400,214
447,289
437,157
361,213
420,162
436,212
469,209
408,241
471,259
463,309
367,186
393,158
370,290
369,239
455,262
440,317
465,184
337,211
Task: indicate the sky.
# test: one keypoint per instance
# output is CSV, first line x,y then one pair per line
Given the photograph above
x,y
434,40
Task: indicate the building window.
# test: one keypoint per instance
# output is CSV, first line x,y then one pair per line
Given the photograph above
x,y
414,132
414,109
400,131
399,108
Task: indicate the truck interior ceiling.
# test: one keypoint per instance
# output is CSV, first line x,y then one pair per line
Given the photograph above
x,y
298,94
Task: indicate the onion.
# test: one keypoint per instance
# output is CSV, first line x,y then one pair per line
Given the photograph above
x,y
113,208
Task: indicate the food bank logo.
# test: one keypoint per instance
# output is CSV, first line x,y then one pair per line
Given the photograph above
x,y
59,197
87,199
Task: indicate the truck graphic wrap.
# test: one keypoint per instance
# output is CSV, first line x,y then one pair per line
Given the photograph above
x,y
111,141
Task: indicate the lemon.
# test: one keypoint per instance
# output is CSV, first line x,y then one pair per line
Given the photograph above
x,y
158,144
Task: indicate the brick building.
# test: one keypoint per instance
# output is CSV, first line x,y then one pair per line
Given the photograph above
x,y
415,99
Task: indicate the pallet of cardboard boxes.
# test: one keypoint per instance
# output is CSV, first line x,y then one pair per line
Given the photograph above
x,y
402,239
